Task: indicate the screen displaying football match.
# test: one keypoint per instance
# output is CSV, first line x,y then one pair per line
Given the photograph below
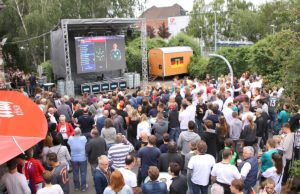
x,y
100,53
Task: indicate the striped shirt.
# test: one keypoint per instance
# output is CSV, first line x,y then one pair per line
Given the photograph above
x,y
117,154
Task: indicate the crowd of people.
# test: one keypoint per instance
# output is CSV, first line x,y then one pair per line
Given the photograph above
x,y
203,134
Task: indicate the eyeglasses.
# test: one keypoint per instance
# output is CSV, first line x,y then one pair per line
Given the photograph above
x,y
269,187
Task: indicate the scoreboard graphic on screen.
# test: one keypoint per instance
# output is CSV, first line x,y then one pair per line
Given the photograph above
x,y
100,53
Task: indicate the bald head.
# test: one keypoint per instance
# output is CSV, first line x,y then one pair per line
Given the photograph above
x,y
106,113
113,112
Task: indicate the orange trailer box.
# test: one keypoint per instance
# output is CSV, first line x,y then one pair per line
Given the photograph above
x,y
169,61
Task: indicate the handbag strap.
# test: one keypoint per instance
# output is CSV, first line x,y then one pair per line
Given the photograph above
x,y
58,150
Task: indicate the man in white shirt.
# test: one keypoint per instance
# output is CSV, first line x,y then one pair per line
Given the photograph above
x,y
228,99
224,173
191,109
286,145
219,102
203,89
184,117
49,188
194,93
52,118
227,111
14,181
199,169
129,176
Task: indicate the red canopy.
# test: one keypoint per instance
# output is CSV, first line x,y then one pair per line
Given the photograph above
x,y
22,124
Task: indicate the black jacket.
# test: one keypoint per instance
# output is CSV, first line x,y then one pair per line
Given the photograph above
x,y
178,100
173,119
95,148
261,126
166,158
179,185
211,141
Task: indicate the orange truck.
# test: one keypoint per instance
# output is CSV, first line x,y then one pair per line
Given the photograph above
x,y
169,61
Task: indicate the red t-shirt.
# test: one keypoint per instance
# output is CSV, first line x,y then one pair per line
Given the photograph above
x,y
36,172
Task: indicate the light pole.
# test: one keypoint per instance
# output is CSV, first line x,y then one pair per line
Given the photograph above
x,y
201,32
201,41
229,67
215,13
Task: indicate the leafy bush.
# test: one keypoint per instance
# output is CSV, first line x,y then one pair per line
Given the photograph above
x,y
133,52
238,58
47,69
183,39
296,168
269,56
198,67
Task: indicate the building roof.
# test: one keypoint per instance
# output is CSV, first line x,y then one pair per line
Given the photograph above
x,y
163,12
176,49
1,5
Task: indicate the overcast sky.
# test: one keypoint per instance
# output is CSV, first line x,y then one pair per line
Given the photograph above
x,y
186,4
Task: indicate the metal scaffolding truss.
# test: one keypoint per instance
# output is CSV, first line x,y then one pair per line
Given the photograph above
x,y
144,52
66,24
69,82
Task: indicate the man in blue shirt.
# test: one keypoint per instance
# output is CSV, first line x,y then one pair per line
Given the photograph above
x,y
78,157
148,156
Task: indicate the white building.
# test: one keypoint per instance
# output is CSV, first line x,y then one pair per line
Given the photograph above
x,y
177,24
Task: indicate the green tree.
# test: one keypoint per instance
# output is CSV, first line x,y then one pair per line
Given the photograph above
x,y
198,67
183,39
23,19
238,57
269,55
150,31
291,78
133,52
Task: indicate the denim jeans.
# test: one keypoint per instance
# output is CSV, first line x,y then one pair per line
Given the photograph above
x,y
93,167
32,90
82,168
286,171
174,133
197,188
247,191
273,117
199,125
38,186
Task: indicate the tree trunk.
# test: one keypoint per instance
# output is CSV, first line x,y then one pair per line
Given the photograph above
x,y
21,17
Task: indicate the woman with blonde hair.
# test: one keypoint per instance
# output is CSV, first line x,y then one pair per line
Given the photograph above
x,y
268,187
117,185
134,120
143,126
172,102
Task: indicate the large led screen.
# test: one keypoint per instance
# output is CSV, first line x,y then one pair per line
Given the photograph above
x,y
100,53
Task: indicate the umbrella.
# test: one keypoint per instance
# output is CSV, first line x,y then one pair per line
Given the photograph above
x,y
22,124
